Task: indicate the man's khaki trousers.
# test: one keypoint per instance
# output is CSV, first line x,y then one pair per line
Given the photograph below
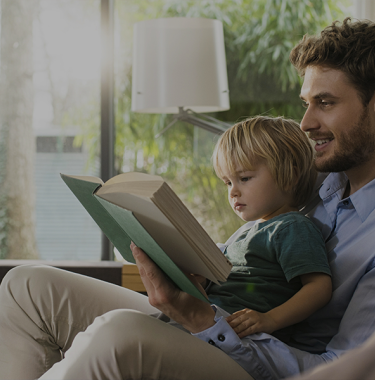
x,y
59,325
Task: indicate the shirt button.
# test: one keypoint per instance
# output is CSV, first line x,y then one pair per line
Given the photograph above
x,y
211,342
221,338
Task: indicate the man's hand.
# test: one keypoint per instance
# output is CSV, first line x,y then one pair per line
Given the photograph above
x,y
192,313
246,322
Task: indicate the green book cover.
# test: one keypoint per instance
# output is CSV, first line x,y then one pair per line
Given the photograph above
x,y
121,227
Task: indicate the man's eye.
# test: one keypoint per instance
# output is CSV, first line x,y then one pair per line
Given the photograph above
x,y
325,103
305,105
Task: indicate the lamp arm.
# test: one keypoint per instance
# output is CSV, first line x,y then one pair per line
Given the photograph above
x,y
210,124
166,128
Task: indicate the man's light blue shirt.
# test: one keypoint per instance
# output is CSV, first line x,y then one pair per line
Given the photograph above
x,y
348,228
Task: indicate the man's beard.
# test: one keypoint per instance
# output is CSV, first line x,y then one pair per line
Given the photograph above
x,y
353,148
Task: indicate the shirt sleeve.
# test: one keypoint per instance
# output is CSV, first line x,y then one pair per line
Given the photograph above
x,y
263,356
358,322
300,249
266,358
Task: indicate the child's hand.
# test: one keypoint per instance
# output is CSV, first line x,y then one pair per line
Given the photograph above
x,y
246,321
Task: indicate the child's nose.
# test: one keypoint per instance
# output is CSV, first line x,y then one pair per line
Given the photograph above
x,y
234,191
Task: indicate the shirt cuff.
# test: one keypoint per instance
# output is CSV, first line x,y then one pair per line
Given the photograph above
x,y
247,355
220,334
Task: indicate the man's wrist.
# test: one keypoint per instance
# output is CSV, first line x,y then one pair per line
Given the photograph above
x,y
200,320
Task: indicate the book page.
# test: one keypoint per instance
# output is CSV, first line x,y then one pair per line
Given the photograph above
x,y
162,231
133,176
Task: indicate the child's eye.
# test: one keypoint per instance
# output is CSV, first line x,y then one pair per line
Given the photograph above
x,y
245,179
228,183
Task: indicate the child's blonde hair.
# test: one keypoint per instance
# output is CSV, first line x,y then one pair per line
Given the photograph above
x,y
280,142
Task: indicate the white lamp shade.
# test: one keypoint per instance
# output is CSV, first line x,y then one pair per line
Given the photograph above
x,y
179,62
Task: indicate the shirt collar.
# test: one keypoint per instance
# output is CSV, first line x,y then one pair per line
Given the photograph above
x,y
335,182
363,200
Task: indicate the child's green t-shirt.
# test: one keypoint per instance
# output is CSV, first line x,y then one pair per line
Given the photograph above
x,y
267,262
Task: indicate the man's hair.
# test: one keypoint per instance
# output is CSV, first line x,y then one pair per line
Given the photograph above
x,y
286,150
349,47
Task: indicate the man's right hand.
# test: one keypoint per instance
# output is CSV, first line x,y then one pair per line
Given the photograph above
x,y
190,312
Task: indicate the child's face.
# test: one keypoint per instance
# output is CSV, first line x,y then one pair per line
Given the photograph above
x,y
253,194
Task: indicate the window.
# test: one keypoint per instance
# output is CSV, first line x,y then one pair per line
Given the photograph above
x,y
50,71
50,110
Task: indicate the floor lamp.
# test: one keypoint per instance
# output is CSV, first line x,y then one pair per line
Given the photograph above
x,y
179,68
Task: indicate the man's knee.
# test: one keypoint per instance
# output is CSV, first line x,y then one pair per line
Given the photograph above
x,y
131,331
117,345
14,273
17,275
26,275
128,327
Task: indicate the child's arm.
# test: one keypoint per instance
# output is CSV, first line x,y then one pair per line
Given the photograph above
x,y
316,291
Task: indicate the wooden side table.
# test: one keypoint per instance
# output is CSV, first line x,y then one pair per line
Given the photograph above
x,y
131,278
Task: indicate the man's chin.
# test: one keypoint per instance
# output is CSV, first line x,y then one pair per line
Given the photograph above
x,y
322,165
333,165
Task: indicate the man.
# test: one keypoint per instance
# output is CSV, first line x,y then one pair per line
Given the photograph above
x,y
44,309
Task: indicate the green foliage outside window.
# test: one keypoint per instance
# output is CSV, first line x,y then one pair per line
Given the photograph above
x,y
259,35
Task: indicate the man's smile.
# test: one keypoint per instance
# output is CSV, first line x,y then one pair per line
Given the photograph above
x,y
321,142
321,145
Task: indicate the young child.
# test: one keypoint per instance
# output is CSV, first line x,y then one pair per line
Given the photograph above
x,y
280,273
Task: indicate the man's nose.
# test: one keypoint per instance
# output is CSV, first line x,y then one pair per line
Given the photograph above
x,y
310,121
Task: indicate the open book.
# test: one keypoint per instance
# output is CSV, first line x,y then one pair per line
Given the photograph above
x,y
142,208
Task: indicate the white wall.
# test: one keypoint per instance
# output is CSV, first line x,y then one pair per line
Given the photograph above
x,y
364,9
